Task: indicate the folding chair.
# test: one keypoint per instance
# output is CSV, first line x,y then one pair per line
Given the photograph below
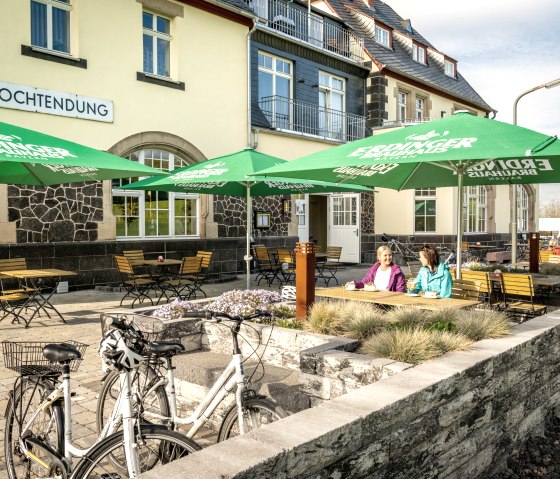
x,y
286,261
136,257
186,279
465,289
202,276
136,286
12,305
519,296
8,284
326,270
488,294
267,268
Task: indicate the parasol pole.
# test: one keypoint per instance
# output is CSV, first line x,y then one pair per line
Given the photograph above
x,y
459,221
248,257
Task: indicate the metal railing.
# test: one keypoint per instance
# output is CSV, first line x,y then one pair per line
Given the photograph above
x,y
307,119
295,22
406,122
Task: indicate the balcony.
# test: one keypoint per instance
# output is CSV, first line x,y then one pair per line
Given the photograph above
x,y
405,122
297,117
312,29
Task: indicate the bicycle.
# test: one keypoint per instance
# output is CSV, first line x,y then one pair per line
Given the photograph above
x,y
398,247
155,386
38,434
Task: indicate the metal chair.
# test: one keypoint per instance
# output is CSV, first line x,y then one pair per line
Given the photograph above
x,y
186,279
519,296
266,266
202,277
287,264
326,270
136,286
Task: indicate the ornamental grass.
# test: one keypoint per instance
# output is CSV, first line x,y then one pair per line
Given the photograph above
x,y
486,323
324,318
408,345
361,320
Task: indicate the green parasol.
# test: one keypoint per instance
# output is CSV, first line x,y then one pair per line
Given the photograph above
x,y
28,157
229,175
459,150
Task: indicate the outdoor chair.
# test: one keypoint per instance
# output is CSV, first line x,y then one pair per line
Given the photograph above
x,y
519,296
12,305
466,289
544,256
488,293
185,284
266,266
136,286
137,261
326,270
201,277
10,285
287,264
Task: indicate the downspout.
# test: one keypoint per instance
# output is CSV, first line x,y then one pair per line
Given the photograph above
x,y
249,142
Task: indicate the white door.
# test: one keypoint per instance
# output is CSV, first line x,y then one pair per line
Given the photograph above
x,y
344,229
302,214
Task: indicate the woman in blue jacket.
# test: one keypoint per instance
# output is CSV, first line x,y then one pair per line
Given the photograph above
x,y
434,275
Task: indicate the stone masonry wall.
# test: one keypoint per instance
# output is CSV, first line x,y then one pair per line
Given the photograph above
x,y
457,416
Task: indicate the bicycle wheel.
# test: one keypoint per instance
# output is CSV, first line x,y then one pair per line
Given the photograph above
x,y
257,412
47,428
155,447
153,401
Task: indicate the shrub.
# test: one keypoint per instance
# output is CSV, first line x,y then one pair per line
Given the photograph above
x,y
441,320
407,317
484,324
324,318
283,311
361,320
549,268
445,341
174,310
244,302
411,346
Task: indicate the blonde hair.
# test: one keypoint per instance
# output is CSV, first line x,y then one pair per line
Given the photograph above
x,y
383,248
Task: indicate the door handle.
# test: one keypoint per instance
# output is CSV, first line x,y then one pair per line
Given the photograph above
x,y
357,232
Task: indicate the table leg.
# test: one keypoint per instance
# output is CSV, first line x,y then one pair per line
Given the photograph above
x,y
42,302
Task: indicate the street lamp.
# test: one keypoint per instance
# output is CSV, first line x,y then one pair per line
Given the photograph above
x,y
513,188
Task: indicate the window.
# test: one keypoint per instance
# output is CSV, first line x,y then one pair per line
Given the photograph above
x,y
425,210
474,209
382,36
331,106
450,68
275,89
401,106
157,44
419,111
344,211
145,214
50,24
418,53
522,209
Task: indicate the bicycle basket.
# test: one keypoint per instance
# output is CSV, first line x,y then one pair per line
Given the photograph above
x,y
26,357
151,328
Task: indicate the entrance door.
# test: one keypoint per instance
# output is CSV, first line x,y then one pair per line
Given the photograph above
x,y
344,221
302,214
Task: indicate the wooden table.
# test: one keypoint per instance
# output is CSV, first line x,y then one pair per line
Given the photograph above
x,y
37,300
391,298
160,264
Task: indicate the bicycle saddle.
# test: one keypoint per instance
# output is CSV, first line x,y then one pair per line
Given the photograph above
x,y
163,348
61,352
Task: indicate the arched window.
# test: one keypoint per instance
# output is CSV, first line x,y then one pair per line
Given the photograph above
x,y
522,209
154,214
474,209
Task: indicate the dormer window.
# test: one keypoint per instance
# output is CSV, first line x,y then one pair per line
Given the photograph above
x,y
450,68
418,53
383,36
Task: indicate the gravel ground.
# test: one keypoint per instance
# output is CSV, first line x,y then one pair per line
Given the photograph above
x,y
539,458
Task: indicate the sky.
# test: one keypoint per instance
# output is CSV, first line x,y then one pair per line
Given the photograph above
x,y
503,48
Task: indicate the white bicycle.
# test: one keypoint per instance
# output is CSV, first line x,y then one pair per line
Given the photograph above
x,y
154,384
38,433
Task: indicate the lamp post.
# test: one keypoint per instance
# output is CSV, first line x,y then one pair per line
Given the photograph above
x,y
513,188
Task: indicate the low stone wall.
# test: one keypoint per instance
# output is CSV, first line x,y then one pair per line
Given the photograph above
x,y
457,416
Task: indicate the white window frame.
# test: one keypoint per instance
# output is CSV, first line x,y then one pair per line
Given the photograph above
x,y
418,53
174,162
419,108
402,99
272,115
329,120
450,68
522,209
424,195
383,36
155,37
50,4
475,209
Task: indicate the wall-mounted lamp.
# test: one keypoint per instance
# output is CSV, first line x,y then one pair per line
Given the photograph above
x,y
286,206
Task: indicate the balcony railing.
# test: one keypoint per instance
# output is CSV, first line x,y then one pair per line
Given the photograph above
x,y
309,28
306,119
406,122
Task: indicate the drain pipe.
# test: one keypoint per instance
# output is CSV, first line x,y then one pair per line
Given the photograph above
x,y
249,142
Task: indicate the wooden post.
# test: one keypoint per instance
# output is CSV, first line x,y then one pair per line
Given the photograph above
x,y
534,247
305,278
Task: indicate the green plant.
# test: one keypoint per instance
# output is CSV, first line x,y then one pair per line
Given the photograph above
x,y
411,346
408,317
362,320
482,324
324,318
290,323
283,311
445,341
549,268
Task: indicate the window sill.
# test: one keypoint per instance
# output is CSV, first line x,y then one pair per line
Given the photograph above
x,y
145,77
52,56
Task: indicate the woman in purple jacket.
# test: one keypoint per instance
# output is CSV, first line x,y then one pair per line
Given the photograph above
x,y
385,275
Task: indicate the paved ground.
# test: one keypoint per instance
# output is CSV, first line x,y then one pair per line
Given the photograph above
x,y
82,311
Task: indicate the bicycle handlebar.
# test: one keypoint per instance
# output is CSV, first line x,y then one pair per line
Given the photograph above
x,y
218,315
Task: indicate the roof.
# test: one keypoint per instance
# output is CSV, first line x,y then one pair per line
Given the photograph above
x,y
240,4
399,58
